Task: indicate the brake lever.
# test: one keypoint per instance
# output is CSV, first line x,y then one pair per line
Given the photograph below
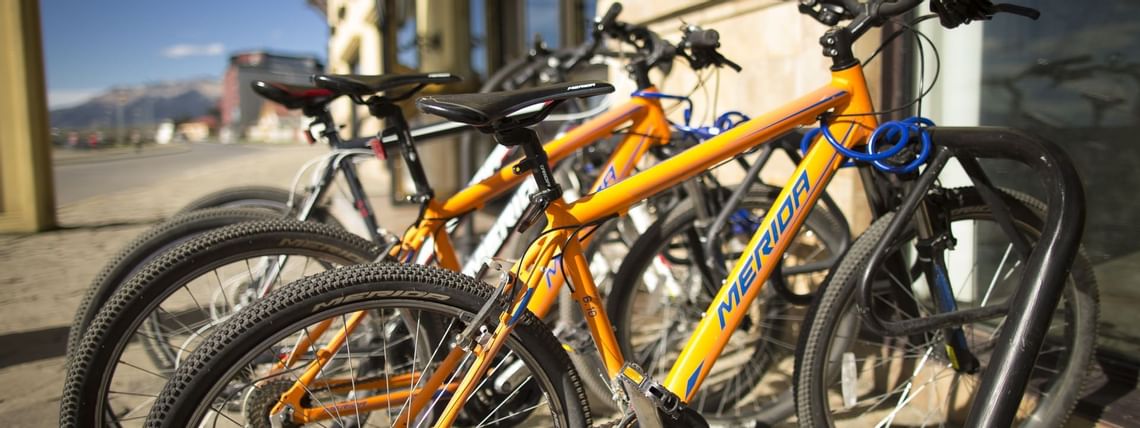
x,y
725,61
952,13
703,44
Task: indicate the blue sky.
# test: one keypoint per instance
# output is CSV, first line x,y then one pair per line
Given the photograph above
x,y
90,46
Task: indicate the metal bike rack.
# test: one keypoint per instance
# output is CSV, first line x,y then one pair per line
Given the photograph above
x,y
1046,269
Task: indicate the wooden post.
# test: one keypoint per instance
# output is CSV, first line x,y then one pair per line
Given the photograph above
x,y
26,195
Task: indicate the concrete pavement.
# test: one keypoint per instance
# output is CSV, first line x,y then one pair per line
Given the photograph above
x,y
84,174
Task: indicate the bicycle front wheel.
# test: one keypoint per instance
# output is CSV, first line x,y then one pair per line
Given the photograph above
x,y
409,318
846,375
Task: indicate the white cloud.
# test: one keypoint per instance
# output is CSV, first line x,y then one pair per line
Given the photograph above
x,y
63,98
185,49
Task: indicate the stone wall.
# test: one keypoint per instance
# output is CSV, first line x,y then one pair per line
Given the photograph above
x,y
779,51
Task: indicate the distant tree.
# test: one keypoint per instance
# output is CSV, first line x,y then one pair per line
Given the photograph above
x,y
178,120
216,113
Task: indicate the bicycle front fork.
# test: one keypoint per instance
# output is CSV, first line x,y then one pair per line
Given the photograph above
x,y
934,238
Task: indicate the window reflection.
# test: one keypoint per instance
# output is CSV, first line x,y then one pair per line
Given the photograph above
x,y
1074,77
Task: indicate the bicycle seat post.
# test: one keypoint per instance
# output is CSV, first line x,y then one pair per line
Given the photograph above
x,y
396,125
534,160
322,116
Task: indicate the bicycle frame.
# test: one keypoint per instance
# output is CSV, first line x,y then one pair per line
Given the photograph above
x,y
846,94
342,161
647,127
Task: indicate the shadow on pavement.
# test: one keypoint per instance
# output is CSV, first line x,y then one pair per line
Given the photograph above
x,y
30,346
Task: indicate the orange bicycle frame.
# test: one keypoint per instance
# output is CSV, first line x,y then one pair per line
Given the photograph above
x,y
845,96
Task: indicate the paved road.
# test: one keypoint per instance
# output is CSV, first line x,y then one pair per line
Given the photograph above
x,y
78,181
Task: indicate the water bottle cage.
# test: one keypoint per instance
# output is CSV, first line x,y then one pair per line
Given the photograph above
x,y
903,154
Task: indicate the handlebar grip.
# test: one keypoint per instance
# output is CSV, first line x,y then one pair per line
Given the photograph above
x,y
1027,12
611,16
888,9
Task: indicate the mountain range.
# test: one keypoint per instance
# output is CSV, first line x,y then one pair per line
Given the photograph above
x,y
142,105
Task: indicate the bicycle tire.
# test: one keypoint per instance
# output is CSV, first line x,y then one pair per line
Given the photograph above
x,y
84,400
825,315
321,297
146,247
265,197
680,220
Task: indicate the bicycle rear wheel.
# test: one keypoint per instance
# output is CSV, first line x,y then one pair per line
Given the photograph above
x,y
411,317
145,248
152,322
847,375
264,197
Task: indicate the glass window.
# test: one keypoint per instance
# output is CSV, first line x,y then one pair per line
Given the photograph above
x,y
407,50
542,19
478,25
1074,77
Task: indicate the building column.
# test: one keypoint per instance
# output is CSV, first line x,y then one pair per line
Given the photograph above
x,y
444,31
26,195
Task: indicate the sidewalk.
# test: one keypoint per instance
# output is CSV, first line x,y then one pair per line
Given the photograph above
x,y
43,276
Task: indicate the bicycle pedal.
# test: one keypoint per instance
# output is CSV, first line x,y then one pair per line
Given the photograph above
x,y
654,405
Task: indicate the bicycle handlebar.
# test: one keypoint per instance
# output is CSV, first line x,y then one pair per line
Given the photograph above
x,y
874,13
698,46
889,9
609,18
702,49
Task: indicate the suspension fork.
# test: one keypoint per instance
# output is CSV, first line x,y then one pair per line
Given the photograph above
x,y
934,237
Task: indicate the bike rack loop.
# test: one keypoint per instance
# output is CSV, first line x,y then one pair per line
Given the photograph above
x,y
1046,270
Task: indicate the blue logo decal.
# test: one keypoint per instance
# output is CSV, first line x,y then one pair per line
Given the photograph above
x,y
693,379
771,236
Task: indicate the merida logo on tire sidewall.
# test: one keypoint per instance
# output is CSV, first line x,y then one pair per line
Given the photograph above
x,y
379,294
